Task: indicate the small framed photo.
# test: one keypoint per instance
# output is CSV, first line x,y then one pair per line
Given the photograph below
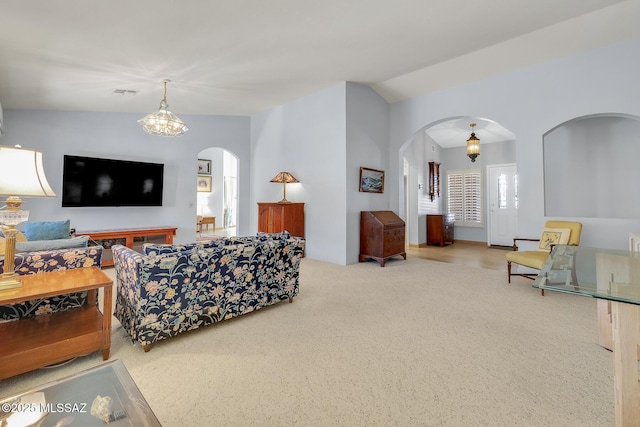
x,y
371,180
204,183
204,167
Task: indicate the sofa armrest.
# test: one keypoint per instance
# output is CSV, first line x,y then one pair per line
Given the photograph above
x,y
45,261
127,263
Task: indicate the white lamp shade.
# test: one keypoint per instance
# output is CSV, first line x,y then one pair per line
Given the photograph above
x,y
22,173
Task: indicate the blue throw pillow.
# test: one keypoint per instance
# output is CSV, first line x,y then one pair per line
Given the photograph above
x,y
49,230
50,245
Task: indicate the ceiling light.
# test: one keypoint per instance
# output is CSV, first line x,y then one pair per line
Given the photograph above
x,y
473,145
163,122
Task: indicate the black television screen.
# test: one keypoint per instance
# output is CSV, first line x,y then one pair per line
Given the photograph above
x,y
89,181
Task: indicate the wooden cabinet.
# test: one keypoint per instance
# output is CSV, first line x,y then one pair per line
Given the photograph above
x,y
439,229
382,236
132,238
278,216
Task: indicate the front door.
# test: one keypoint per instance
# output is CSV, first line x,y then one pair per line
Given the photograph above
x,y
503,204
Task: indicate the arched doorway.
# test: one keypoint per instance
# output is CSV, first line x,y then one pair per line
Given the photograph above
x,y
444,142
217,192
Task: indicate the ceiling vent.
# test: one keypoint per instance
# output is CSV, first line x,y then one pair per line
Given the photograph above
x,y
125,92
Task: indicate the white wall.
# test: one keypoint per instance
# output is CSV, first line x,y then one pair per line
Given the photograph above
x,y
307,138
367,136
118,135
530,102
419,153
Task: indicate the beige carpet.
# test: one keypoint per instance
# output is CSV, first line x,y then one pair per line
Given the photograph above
x,y
416,343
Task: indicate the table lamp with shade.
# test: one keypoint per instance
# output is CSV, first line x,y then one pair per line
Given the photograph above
x,y
284,178
21,175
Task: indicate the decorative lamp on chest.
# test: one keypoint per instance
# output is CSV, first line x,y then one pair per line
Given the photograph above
x,y
473,145
284,178
21,175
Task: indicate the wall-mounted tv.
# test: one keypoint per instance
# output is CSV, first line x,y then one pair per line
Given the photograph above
x,y
89,181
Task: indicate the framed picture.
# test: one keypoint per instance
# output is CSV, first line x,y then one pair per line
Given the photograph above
x,y
371,180
204,183
204,167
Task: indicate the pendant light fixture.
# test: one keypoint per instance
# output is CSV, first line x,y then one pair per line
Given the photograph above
x,y
163,122
473,145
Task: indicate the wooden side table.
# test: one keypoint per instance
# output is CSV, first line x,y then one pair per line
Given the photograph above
x,y
34,342
206,220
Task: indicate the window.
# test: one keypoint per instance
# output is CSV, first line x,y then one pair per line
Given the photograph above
x,y
464,197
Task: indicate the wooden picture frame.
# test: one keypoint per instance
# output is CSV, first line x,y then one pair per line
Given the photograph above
x,y
371,180
205,183
204,167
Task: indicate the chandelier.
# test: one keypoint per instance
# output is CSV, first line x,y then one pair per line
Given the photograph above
x,y
163,122
473,145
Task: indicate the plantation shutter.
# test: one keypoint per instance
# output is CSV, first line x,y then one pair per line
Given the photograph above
x,y
464,197
472,198
455,195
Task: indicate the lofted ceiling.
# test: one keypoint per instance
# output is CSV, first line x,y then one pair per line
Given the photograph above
x,y
245,56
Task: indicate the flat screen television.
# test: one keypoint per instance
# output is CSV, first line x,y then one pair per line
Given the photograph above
x,y
89,181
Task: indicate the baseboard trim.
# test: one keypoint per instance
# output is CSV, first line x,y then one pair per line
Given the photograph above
x,y
466,242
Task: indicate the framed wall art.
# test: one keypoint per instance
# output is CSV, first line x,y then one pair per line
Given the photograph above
x,y
371,180
204,167
204,183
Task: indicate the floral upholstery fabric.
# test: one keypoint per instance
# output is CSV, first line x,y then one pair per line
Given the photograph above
x,y
45,261
154,249
164,295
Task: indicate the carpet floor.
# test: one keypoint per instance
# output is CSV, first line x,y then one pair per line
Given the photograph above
x,y
416,343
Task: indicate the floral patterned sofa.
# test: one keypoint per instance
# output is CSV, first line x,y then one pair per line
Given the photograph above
x,y
170,289
45,261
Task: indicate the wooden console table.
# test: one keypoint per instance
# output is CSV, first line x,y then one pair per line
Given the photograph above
x,y
34,342
206,220
132,238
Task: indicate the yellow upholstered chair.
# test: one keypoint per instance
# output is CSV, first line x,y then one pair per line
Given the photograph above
x,y
553,233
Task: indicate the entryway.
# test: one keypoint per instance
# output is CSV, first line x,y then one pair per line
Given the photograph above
x,y
217,193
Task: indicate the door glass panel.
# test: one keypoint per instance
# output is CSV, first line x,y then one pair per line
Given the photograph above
x,y
502,191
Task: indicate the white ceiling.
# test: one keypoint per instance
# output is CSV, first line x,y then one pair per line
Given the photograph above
x,y
241,57
455,132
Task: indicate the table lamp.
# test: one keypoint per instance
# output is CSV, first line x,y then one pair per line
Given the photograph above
x,y
21,175
284,178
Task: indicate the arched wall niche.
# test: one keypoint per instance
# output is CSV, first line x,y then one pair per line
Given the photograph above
x,y
591,167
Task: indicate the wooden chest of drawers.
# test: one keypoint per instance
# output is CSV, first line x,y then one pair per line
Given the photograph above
x,y
440,229
382,236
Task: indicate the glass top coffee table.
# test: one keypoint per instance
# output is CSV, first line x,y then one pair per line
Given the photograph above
x,y
612,276
588,272
104,395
